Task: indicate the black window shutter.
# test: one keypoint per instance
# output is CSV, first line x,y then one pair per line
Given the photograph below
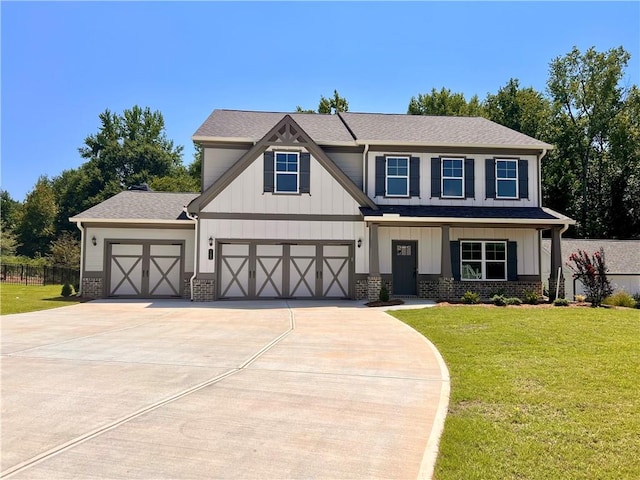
x,y
490,177
305,168
436,191
523,178
414,177
469,178
455,259
512,261
268,171
380,177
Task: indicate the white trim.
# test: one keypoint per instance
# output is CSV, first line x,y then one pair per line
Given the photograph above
x,y
387,176
146,221
377,143
276,172
205,139
516,180
442,177
483,261
395,218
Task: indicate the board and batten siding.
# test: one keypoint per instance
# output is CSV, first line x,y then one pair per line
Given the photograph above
x,y
429,247
245,195
527,240
479,182
350,163
284,230
217,161
94,255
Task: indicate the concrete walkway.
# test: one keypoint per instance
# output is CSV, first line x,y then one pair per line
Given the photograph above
x,y
173,389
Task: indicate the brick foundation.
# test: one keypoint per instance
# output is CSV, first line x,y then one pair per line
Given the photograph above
x,y
362,289
552,288
92,287
449,290
204,290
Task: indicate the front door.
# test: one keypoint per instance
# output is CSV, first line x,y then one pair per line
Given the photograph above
x,y
404,266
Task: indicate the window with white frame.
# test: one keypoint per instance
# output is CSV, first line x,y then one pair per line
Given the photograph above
x,y
452,177
287,172
397,176
506,179
483,260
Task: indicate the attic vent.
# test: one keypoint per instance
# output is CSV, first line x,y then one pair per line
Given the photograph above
x,y
143,187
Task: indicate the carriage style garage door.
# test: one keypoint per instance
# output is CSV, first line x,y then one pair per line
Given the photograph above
x,y
145,269
281,270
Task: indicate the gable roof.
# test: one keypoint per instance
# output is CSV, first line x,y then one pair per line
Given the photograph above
x,y
621,256
392,129
348,128
285,132
138,206
244,126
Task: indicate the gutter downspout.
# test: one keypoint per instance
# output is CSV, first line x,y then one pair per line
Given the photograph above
x,y
82,253
364,167
195,249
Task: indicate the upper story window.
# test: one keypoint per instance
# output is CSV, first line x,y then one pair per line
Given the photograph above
x,y
452,178
482,260
397,176
506,178
287,172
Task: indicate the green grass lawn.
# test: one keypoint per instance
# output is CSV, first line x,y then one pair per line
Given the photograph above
x,y
28,298
537,393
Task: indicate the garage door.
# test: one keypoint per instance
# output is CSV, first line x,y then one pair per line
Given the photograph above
x,y
145,270
258,270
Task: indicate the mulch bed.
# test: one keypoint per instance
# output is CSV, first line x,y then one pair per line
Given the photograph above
x,y
390,303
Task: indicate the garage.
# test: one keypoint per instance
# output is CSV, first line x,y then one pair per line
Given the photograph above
x,y
285,270
145,269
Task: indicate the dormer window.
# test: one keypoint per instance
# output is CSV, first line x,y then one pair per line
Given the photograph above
x,y
286,172
398,176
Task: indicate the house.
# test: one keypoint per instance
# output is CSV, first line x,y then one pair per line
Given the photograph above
x,y
622,258
333,206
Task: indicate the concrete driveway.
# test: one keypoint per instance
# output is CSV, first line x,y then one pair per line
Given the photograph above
x,y
172,389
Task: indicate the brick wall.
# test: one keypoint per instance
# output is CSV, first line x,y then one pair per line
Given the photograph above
x,y
203,290
449,289
92,287
362,289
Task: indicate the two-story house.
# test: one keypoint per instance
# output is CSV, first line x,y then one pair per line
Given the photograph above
x,y
333,206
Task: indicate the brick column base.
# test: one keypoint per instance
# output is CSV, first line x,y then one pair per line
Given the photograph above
x,y
552,288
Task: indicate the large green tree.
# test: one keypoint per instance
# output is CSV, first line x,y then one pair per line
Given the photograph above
x,y
35,226
594,126
331,105
444,102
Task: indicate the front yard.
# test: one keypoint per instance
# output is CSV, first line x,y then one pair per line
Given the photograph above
x,y
29,298
537,393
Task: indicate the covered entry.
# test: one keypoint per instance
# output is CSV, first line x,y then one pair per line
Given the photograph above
x,y
145,269
284,270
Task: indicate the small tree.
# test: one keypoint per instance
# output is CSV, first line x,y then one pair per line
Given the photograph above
x,y
592,273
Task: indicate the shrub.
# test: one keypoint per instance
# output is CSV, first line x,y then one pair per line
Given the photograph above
x,y
561,302
620,299
384,294
636,297
498,300
531,297
513,301
580,298
470,297
592,273
67,290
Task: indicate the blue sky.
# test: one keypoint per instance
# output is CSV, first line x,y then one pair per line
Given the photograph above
x,y
64,63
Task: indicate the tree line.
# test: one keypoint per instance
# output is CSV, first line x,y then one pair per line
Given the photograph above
x,y
586,112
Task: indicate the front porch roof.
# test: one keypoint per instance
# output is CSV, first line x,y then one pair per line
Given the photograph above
x,y
539,217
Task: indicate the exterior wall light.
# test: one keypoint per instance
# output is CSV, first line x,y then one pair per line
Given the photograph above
x,y
94,241
359,242
211,241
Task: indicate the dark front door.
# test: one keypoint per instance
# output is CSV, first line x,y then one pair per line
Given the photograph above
x,y
404,266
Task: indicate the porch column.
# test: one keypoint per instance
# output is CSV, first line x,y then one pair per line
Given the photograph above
x,y
374,253
445,255
556,263
374,281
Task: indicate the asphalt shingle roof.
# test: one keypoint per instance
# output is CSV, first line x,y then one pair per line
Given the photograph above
x,y
462,212
255,125
371,128
142,205
621,256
